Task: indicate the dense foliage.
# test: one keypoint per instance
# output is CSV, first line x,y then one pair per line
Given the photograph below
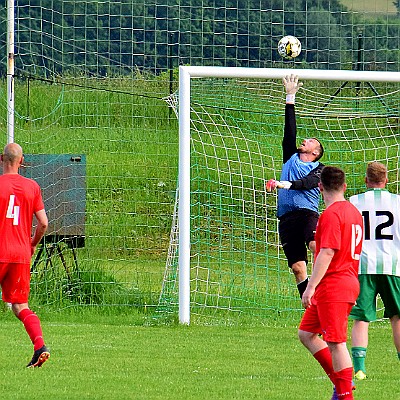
x,y
100,37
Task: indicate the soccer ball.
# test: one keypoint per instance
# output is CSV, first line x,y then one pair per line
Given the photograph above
x,y
289,47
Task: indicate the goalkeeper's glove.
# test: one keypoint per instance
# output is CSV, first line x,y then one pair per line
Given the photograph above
x,y
272,184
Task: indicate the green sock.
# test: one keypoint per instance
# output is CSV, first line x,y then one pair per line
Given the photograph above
x,y
359,354
398,355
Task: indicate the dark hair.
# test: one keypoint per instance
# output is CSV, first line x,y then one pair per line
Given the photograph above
x,y
332,178
320,150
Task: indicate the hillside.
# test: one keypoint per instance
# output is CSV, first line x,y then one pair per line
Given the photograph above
x,y
370,6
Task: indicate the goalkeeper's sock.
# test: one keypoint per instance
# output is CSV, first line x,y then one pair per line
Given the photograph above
x,y
324,357
358,354
32,326
301,287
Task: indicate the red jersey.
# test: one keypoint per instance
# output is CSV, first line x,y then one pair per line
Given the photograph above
x,y
340,227
20,198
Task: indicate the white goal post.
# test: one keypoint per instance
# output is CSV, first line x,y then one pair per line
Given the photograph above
x,y
186,74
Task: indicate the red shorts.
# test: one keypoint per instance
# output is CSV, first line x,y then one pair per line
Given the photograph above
x,y
328,319
15,282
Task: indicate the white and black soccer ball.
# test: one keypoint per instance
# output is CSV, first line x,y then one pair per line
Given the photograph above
x,y
289,47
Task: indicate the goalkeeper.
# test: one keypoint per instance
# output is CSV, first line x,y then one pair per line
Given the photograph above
x,y
299,198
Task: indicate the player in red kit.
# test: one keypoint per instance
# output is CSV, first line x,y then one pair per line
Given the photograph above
x,y
20,200
333,287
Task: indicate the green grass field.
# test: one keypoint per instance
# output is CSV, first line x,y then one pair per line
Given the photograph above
x,y
127,357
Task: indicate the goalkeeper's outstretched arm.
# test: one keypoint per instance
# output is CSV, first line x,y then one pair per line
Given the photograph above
x,y
289,147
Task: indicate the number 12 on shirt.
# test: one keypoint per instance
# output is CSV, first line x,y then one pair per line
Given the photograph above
x,y
356,237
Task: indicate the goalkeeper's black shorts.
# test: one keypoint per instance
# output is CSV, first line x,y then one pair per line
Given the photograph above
x,y
296,231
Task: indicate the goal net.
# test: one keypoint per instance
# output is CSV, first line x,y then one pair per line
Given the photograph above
x,y
90,81
224,234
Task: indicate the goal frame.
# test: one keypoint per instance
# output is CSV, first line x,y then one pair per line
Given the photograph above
x,y
186,73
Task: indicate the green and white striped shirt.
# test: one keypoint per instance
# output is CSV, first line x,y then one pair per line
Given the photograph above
x,y
381,247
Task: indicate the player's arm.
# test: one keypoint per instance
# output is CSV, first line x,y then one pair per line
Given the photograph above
x,y
321,265
289,136
292,85
40,230
310,181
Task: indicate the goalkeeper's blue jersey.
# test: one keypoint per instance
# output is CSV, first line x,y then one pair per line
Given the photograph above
x,y
291,200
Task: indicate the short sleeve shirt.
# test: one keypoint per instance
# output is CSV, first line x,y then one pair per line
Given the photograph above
x,y
381,246
291,200
20,198
340,228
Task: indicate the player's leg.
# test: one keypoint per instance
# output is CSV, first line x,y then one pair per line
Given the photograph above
x,y
395,322
309,335
16,287
334,321
309,220
389,289
310,225
312,246
319,350
362,313
359,345
31,323
299,269
293,244
343,368
33,328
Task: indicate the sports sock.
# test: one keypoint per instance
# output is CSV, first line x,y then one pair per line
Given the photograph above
x,y
301,287
325,359
359,354
398,355
344,384
32,326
